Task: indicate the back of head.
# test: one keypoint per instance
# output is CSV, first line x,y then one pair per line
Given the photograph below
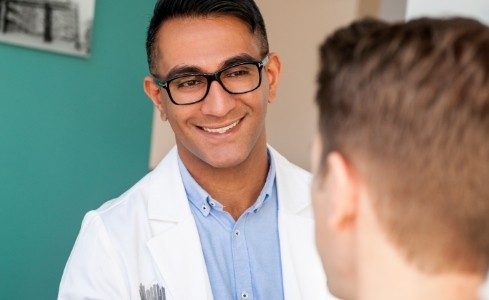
x,y
245,10
408,106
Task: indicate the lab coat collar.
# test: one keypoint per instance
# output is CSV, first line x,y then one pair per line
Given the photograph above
x,y
166,191
291,200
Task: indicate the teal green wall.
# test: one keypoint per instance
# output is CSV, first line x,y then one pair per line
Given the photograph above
x,y
74,133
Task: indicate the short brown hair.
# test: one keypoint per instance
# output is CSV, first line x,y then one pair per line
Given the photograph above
x,y
407,104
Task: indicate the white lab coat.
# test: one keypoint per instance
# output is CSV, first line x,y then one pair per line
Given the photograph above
x,y
148,236
484,290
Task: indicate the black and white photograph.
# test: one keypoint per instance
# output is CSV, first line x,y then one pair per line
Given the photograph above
x,y
63,26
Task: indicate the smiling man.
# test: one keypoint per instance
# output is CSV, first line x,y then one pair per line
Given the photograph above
x,y
223,216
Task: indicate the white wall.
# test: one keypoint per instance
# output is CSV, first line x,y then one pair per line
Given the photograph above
x,y
162,140
392,10
478,9
295,30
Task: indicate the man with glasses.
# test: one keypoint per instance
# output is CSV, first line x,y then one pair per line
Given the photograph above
x,y
223,216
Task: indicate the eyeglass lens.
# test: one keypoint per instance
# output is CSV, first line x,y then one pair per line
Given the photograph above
x,y
237,79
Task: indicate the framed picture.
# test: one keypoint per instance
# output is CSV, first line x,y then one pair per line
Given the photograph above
x,y
63,26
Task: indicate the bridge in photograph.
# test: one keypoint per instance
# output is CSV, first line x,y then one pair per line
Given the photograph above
x,y
46,19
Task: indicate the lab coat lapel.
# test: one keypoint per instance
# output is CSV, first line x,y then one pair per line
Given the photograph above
x,y
175,247
178,256
303,276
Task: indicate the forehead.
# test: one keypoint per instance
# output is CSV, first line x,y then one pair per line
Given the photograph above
x,y
204,42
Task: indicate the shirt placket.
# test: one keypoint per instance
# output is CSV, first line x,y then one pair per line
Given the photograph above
x,y
242,268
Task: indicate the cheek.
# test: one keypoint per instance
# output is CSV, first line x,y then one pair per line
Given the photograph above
x,y
322,238
315,153
177,115
261,102
320,215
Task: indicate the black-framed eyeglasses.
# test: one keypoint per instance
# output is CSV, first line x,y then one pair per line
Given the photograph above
x,y
188,89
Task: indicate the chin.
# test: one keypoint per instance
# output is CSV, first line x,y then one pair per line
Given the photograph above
x,y
227,159
225,163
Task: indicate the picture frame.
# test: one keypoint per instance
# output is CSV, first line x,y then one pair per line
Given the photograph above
x,y
63,26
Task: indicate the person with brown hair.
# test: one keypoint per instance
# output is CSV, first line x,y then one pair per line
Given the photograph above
x,y
401,159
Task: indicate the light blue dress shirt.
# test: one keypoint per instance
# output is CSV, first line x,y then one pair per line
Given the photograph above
x,y
243,256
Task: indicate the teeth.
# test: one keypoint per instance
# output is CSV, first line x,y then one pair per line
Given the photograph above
x,y
221,130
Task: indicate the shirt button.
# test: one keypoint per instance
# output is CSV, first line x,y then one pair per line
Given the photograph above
x,y
236,233
244,295
212,203
204,207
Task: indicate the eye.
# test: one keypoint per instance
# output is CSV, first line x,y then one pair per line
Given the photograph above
x,y
238,71
188,82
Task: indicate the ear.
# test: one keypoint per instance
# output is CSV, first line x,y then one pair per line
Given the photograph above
x,y
344,187
154,93
272,71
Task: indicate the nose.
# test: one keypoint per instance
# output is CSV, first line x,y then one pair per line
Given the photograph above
x,y
218,102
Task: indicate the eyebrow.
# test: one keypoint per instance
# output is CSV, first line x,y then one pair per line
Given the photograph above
x,y
189,69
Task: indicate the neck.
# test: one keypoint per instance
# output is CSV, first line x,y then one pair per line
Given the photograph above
x,y
237,187
409,285
384,273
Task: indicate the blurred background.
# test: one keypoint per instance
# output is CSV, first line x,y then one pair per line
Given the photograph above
x,y
76,132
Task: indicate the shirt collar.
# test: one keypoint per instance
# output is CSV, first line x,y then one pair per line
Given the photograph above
x,y
267,190
204,202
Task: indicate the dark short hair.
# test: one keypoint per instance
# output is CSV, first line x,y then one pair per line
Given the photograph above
x,y
407,104
245,10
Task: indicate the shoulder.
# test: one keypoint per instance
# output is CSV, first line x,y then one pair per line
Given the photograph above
x,y
156,191
135,201
111,246
126,204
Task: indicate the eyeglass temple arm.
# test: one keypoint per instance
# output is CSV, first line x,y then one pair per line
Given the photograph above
x,y
159,82
264,61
